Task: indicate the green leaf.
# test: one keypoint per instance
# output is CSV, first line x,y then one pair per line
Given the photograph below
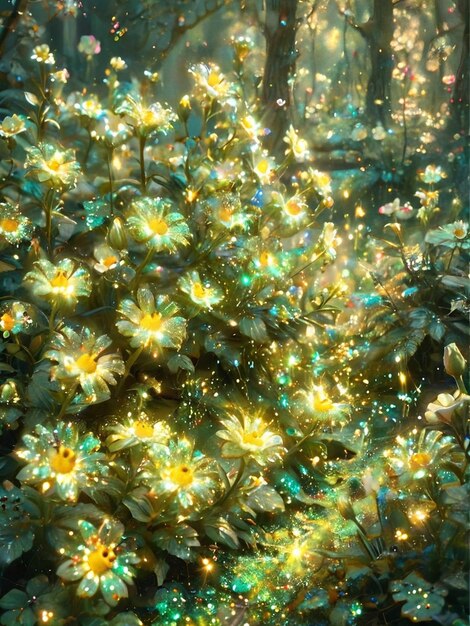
x,y
254,328
14,599
125,619
177,540
180,362
423,601
220,531
161,570
265,499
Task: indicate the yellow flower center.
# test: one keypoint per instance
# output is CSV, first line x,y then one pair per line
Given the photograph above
x,y
322,403
181,475
293,208
86,363
263,166
225,214
101,560
459,233
151,322
159,227
60,280
213,79
149,118
9,225
264,258
109,260
253,439
7,322
63,460
420,460
54,164
199,291
143,430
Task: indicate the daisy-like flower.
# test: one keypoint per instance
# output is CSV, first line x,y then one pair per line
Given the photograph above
x,y
227,211
293,209
62,283
133,431
153,222
250,438
90,107
152,322
14,227
264,167
401,211
210,81
146,120
106,258
451,235
203,293
43,54
328,239
320,181
100,562
56,168
432,174
414,459
12,125
296,146
319,406
118,64
379,133
252,128
428,198
193,479
61,460
80,359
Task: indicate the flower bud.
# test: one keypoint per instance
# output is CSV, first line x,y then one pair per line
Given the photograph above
x,y
117,237
9,392
454,361
184,108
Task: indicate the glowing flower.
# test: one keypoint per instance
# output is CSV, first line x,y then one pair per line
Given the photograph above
x,y
100,562
80,359
14,318
153,322
320,181
62,283
444,407
210,81
296,146
56,168
432,174
202,293
146,119
227,211
264,167
412,459
359,133
89,45
12,125
252,128
60,460
89,107
106,258
328,239
451,235
139,430
379,133
14,227
153,222
294,208
402,212
428,198
250,438
118,64
193,479
319,406
43,54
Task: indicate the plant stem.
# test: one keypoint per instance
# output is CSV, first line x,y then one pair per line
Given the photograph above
x,y
142,265
236,482
66,403
52,318
143,178
48,204
109,154
129,363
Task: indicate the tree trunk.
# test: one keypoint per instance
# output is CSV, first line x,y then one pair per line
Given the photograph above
x,y
379,37
460,98
280,33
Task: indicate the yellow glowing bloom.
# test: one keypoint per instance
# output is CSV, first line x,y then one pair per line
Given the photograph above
x,y
12,125
56,168
43,54
62,283
250,438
